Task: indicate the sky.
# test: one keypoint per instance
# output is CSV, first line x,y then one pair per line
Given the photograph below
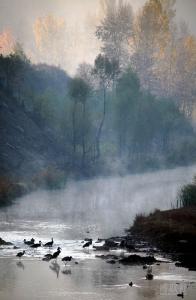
x,y
19,16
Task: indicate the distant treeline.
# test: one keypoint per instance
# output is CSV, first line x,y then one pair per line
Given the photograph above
x,y
103,118
131,110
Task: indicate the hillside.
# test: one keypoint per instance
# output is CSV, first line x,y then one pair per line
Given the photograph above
x,y
27,150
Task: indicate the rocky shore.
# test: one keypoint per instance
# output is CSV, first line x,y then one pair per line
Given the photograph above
x,y
172,232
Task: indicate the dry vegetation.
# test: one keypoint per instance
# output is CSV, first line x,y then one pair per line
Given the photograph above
x,y
172,229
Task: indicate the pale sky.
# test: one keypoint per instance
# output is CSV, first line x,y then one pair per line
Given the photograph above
x,y
19,15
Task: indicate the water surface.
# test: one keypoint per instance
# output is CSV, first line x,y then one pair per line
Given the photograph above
x,y
96,208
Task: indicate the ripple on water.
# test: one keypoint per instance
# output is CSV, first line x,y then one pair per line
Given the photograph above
x,y
176,277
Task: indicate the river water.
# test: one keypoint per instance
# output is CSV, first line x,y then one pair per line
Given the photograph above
x,y
88,209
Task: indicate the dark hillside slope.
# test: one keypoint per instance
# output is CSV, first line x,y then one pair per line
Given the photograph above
x,y
25,149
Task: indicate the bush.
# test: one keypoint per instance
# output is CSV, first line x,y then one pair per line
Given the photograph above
x,y
187,196
10,190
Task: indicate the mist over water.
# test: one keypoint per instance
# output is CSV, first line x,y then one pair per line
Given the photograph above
x,y
95,208
106,206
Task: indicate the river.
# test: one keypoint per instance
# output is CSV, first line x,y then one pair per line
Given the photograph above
x,y
88,209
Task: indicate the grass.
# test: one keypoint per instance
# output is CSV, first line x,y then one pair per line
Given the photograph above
x,y
176,223
187,196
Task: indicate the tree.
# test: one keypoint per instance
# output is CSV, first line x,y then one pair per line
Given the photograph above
x,y
126,109
106,72
49,35
185,90
12,69
79,91
115,30
187,196
151,37
13,64
85,72
7,42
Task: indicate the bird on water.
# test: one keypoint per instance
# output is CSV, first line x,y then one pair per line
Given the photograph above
x,y
56,254
47,257
49,244
66,259
87,244
31,242
50,256
20,254
36,245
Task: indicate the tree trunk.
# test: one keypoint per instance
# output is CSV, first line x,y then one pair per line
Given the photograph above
x,y
83,136
74,133
99,132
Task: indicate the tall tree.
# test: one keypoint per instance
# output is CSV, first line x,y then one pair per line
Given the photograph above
x,y
50,41
7,42
115,30
185,92
152,35
126,109
79,92
106,72
13,69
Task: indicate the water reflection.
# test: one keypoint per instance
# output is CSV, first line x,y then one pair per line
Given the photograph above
x,y
7,275
106,276
55,267
66,272
148,292
20,265
90,280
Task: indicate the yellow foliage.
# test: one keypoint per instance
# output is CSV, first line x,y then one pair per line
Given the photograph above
x,y
7,42
47,30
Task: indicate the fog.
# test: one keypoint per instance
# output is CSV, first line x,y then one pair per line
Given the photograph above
x,y
112,203
77,13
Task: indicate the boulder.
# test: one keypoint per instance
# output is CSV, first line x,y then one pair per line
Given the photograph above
x,y
137,260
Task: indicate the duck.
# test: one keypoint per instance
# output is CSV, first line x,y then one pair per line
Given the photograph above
x,y
31,242
20,254
47,257
36,245
66,259
49,244
87,244
56,254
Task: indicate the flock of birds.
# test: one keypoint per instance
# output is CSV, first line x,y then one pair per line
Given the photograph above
x,y
47,257
50,256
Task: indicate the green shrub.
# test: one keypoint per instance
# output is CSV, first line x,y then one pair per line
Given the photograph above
x,y
187,196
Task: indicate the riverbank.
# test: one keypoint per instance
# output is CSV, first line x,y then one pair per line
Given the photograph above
x,y
92,274
172,231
